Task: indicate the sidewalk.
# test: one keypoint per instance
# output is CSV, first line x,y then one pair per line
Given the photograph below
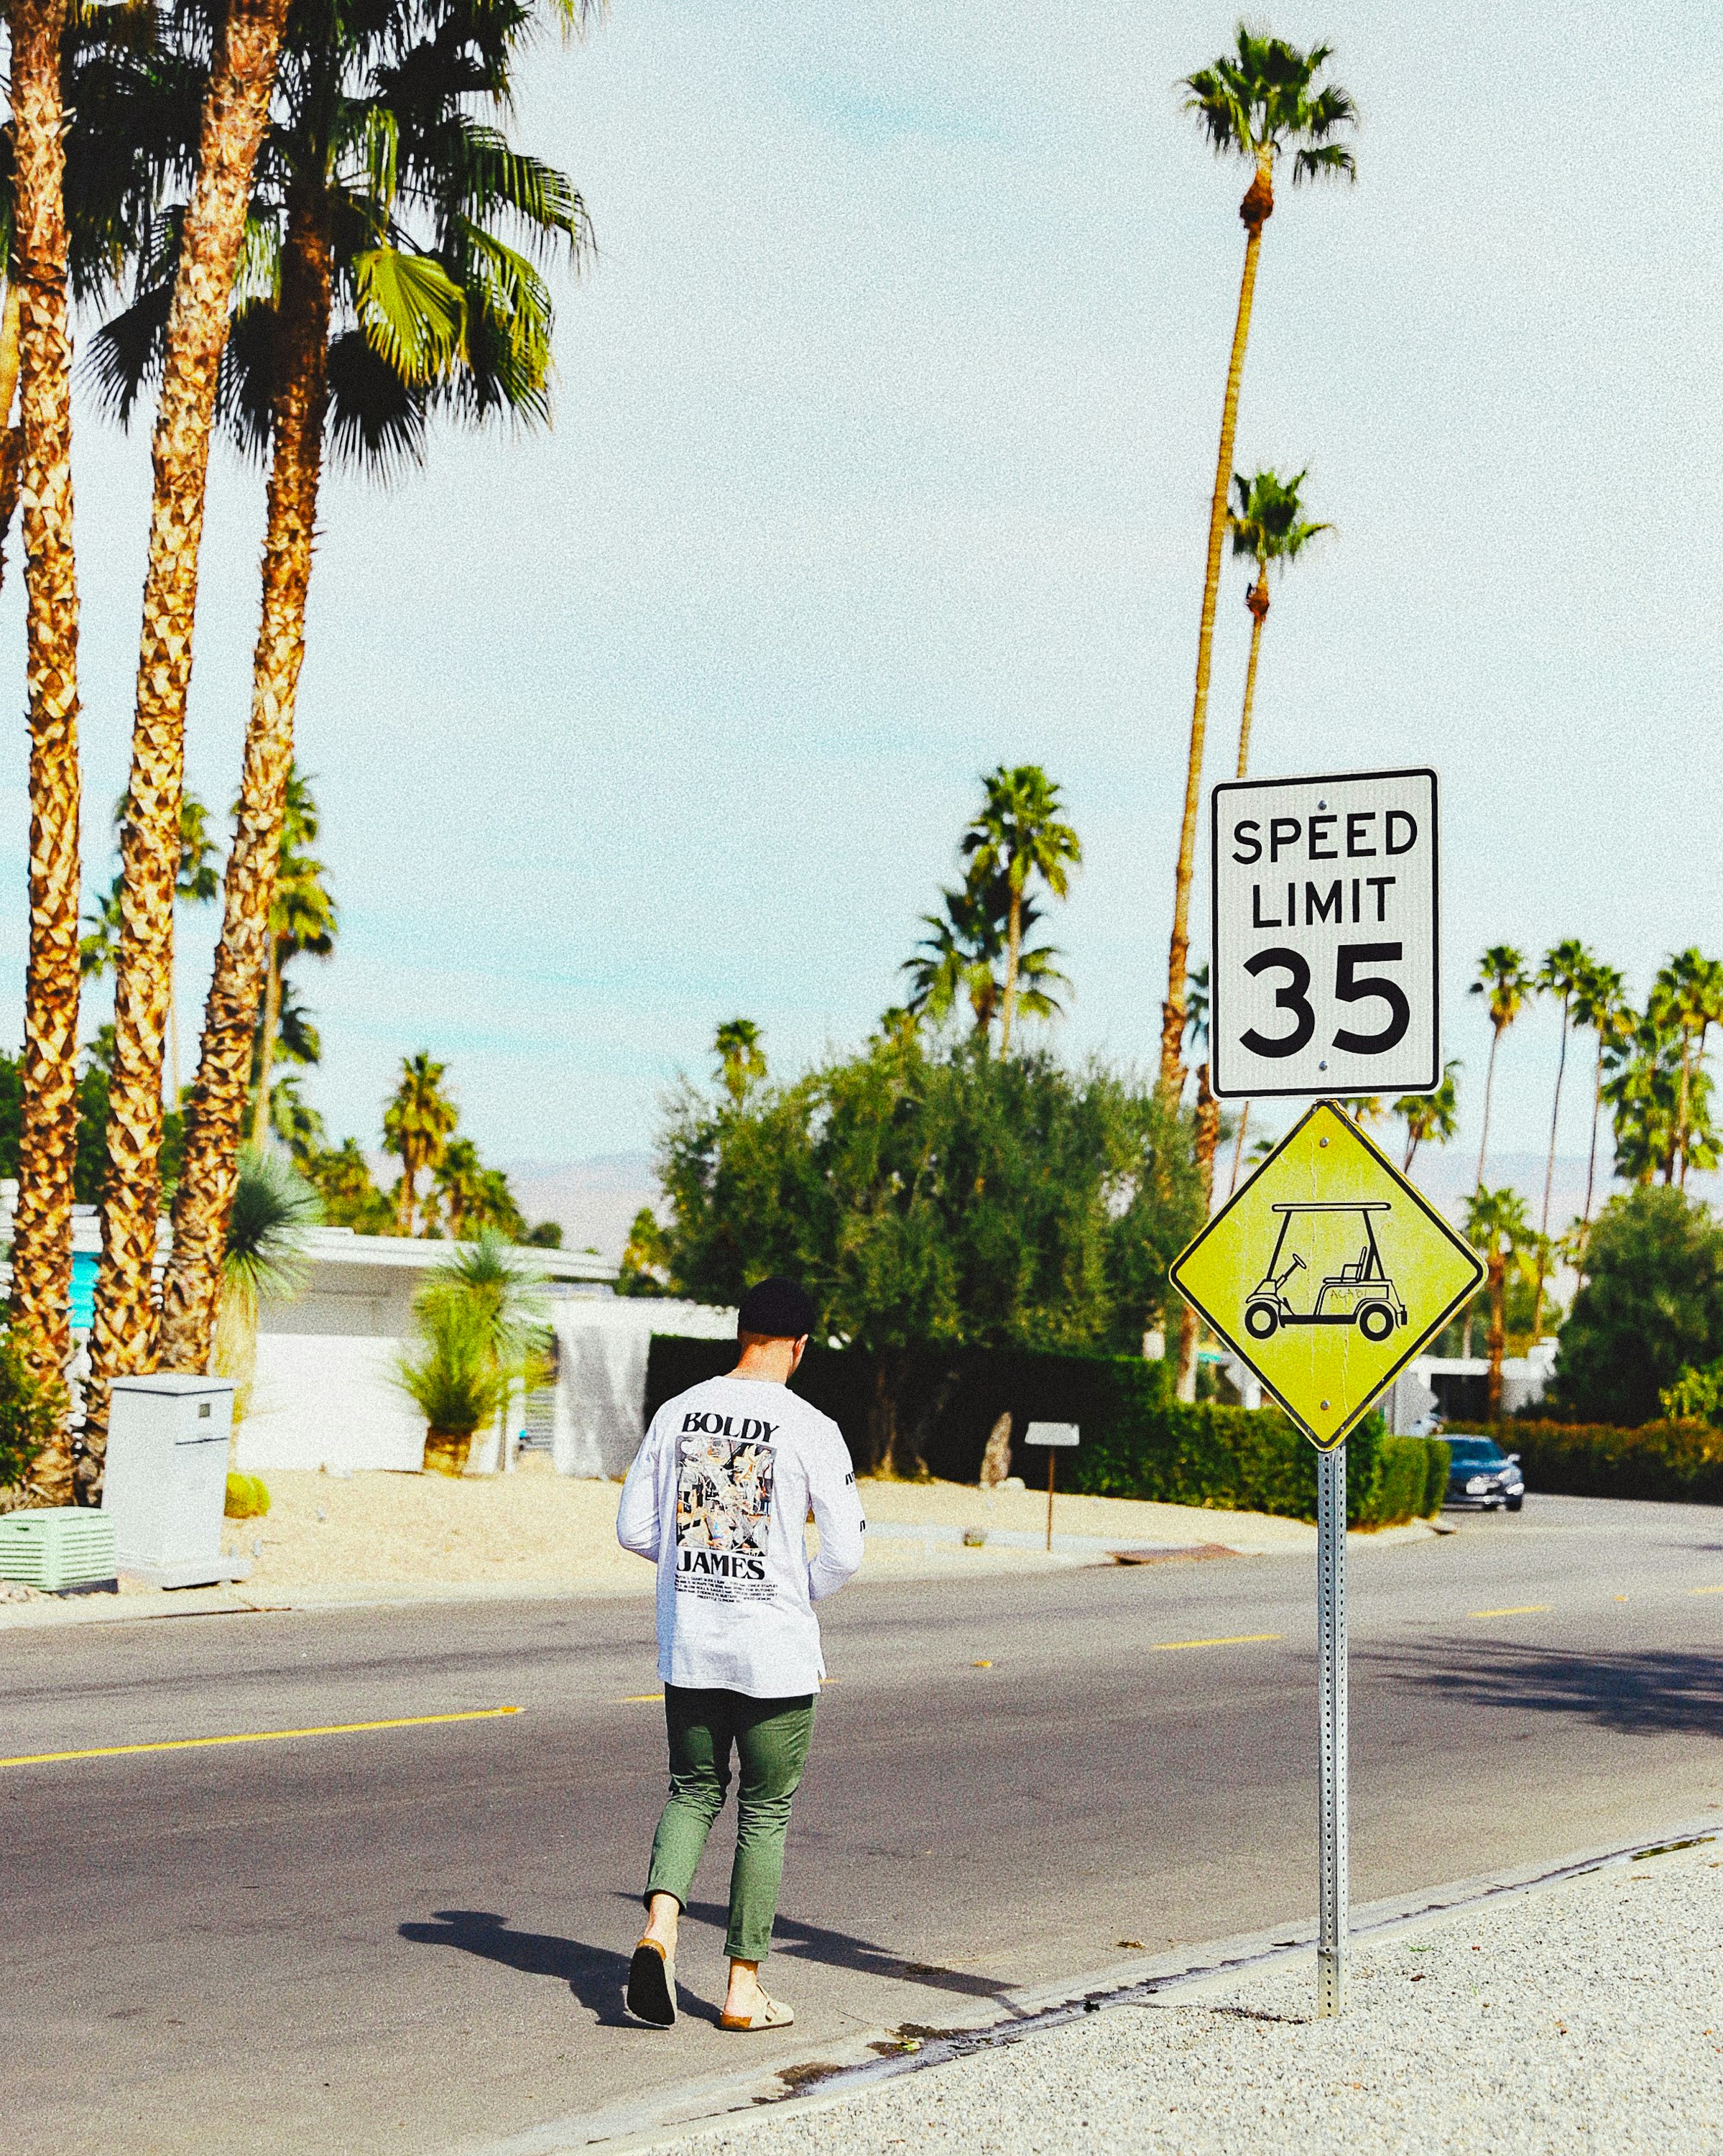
x,y
1581,2019
329,1540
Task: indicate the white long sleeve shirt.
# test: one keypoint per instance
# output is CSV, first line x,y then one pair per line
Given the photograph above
x,y
717,1497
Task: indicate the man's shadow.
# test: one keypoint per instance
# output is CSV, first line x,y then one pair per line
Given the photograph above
x,y
595,1975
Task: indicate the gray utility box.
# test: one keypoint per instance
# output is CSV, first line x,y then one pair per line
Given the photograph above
x,y
166,1479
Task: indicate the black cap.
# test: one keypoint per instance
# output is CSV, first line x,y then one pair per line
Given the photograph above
x,y
776,1309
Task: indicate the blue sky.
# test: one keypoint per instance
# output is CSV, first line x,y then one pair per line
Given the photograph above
x,y
885,423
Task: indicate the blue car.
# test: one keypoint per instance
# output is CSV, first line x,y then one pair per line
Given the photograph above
x,y
1480,1473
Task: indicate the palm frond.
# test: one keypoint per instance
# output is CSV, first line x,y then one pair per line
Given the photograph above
x,y
413,314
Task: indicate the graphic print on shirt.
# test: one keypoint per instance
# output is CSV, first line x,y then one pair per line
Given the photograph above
x,y
723,1509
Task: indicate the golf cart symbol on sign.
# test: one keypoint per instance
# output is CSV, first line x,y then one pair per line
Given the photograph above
x,y
1360,1293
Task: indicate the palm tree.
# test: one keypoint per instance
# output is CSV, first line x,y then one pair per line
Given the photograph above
x,y
1430,1118
1268,525
1018,834
417,1123
233,108
459,1184
42,1242
304,922
1257,102
491,1277
1503,977
1562,974
196,883
741,1061
397,294
267,1253
1600,1001
1687,999
963,952
1497,1224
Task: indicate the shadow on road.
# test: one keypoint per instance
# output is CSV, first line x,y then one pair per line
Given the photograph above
x,y
595,1975
803,1941
1640,1692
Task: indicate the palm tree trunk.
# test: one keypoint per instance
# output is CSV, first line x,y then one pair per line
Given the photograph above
x,y
235,108
1256,207
1496,1340
47,1139
1238,1147
12,438
1488,1087
1591,1158
1013,952
270,1027
1257,599
409,1194
1680,1144
1537,1305
247,960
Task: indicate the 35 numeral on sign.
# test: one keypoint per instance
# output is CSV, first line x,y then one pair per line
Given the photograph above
x,y
1302,1003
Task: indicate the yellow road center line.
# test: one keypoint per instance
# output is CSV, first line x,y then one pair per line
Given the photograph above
x,y
1519,1609
643,1699
257,1737
1236,1639
1706,1590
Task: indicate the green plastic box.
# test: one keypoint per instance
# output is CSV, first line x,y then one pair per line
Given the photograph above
x,y
62,1545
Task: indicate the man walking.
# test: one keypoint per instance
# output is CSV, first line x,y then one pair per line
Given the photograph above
x,y
717,1498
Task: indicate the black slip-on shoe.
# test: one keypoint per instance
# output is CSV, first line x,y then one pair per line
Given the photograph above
x,y
651,1995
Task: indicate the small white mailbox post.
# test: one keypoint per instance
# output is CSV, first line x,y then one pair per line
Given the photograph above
x,y
166,1479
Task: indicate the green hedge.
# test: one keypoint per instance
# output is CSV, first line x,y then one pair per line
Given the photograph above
x,y
1138,1441
1679,1460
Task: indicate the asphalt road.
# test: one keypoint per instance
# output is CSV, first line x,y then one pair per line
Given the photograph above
x,y
415,1939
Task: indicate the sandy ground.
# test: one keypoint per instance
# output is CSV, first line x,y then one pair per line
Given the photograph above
x,y
332,1538
535,1527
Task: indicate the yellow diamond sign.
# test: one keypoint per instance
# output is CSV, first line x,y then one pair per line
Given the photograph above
x,y
1326,1273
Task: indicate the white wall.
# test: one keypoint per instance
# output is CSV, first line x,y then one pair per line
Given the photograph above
x,y
328,1399
325,1399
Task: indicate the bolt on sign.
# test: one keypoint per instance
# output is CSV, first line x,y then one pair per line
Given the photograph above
x,y
1326,1273
1324,976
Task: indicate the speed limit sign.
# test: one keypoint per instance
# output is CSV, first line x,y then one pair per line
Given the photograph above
x,y
1325,977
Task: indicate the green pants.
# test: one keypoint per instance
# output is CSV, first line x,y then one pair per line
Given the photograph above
x,y
770,1738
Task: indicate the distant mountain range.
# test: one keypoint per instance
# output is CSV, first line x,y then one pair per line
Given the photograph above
x,y
596,1199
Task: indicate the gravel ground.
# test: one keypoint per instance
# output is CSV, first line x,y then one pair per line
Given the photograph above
x,y
1582,2020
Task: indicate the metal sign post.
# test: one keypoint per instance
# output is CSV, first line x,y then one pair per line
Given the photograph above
x,y
1052,1436
1328,1270
1332,1624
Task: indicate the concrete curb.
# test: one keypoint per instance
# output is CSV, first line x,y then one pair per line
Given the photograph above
x,y
850,2067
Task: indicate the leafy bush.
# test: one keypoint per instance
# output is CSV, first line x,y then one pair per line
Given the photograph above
x,y
31,1412
247,1497
1138,1441
1651,1304
1677,1460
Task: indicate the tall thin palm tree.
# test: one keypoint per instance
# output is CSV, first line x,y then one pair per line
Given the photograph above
x,y
42,1244
963,955
1018,834
304,922
417,1123
386,199
1497,1223
1503,978
741,1061
1259,102
1562,974
1430,1118
1600,1001
233,108
1268,525
1687,1000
